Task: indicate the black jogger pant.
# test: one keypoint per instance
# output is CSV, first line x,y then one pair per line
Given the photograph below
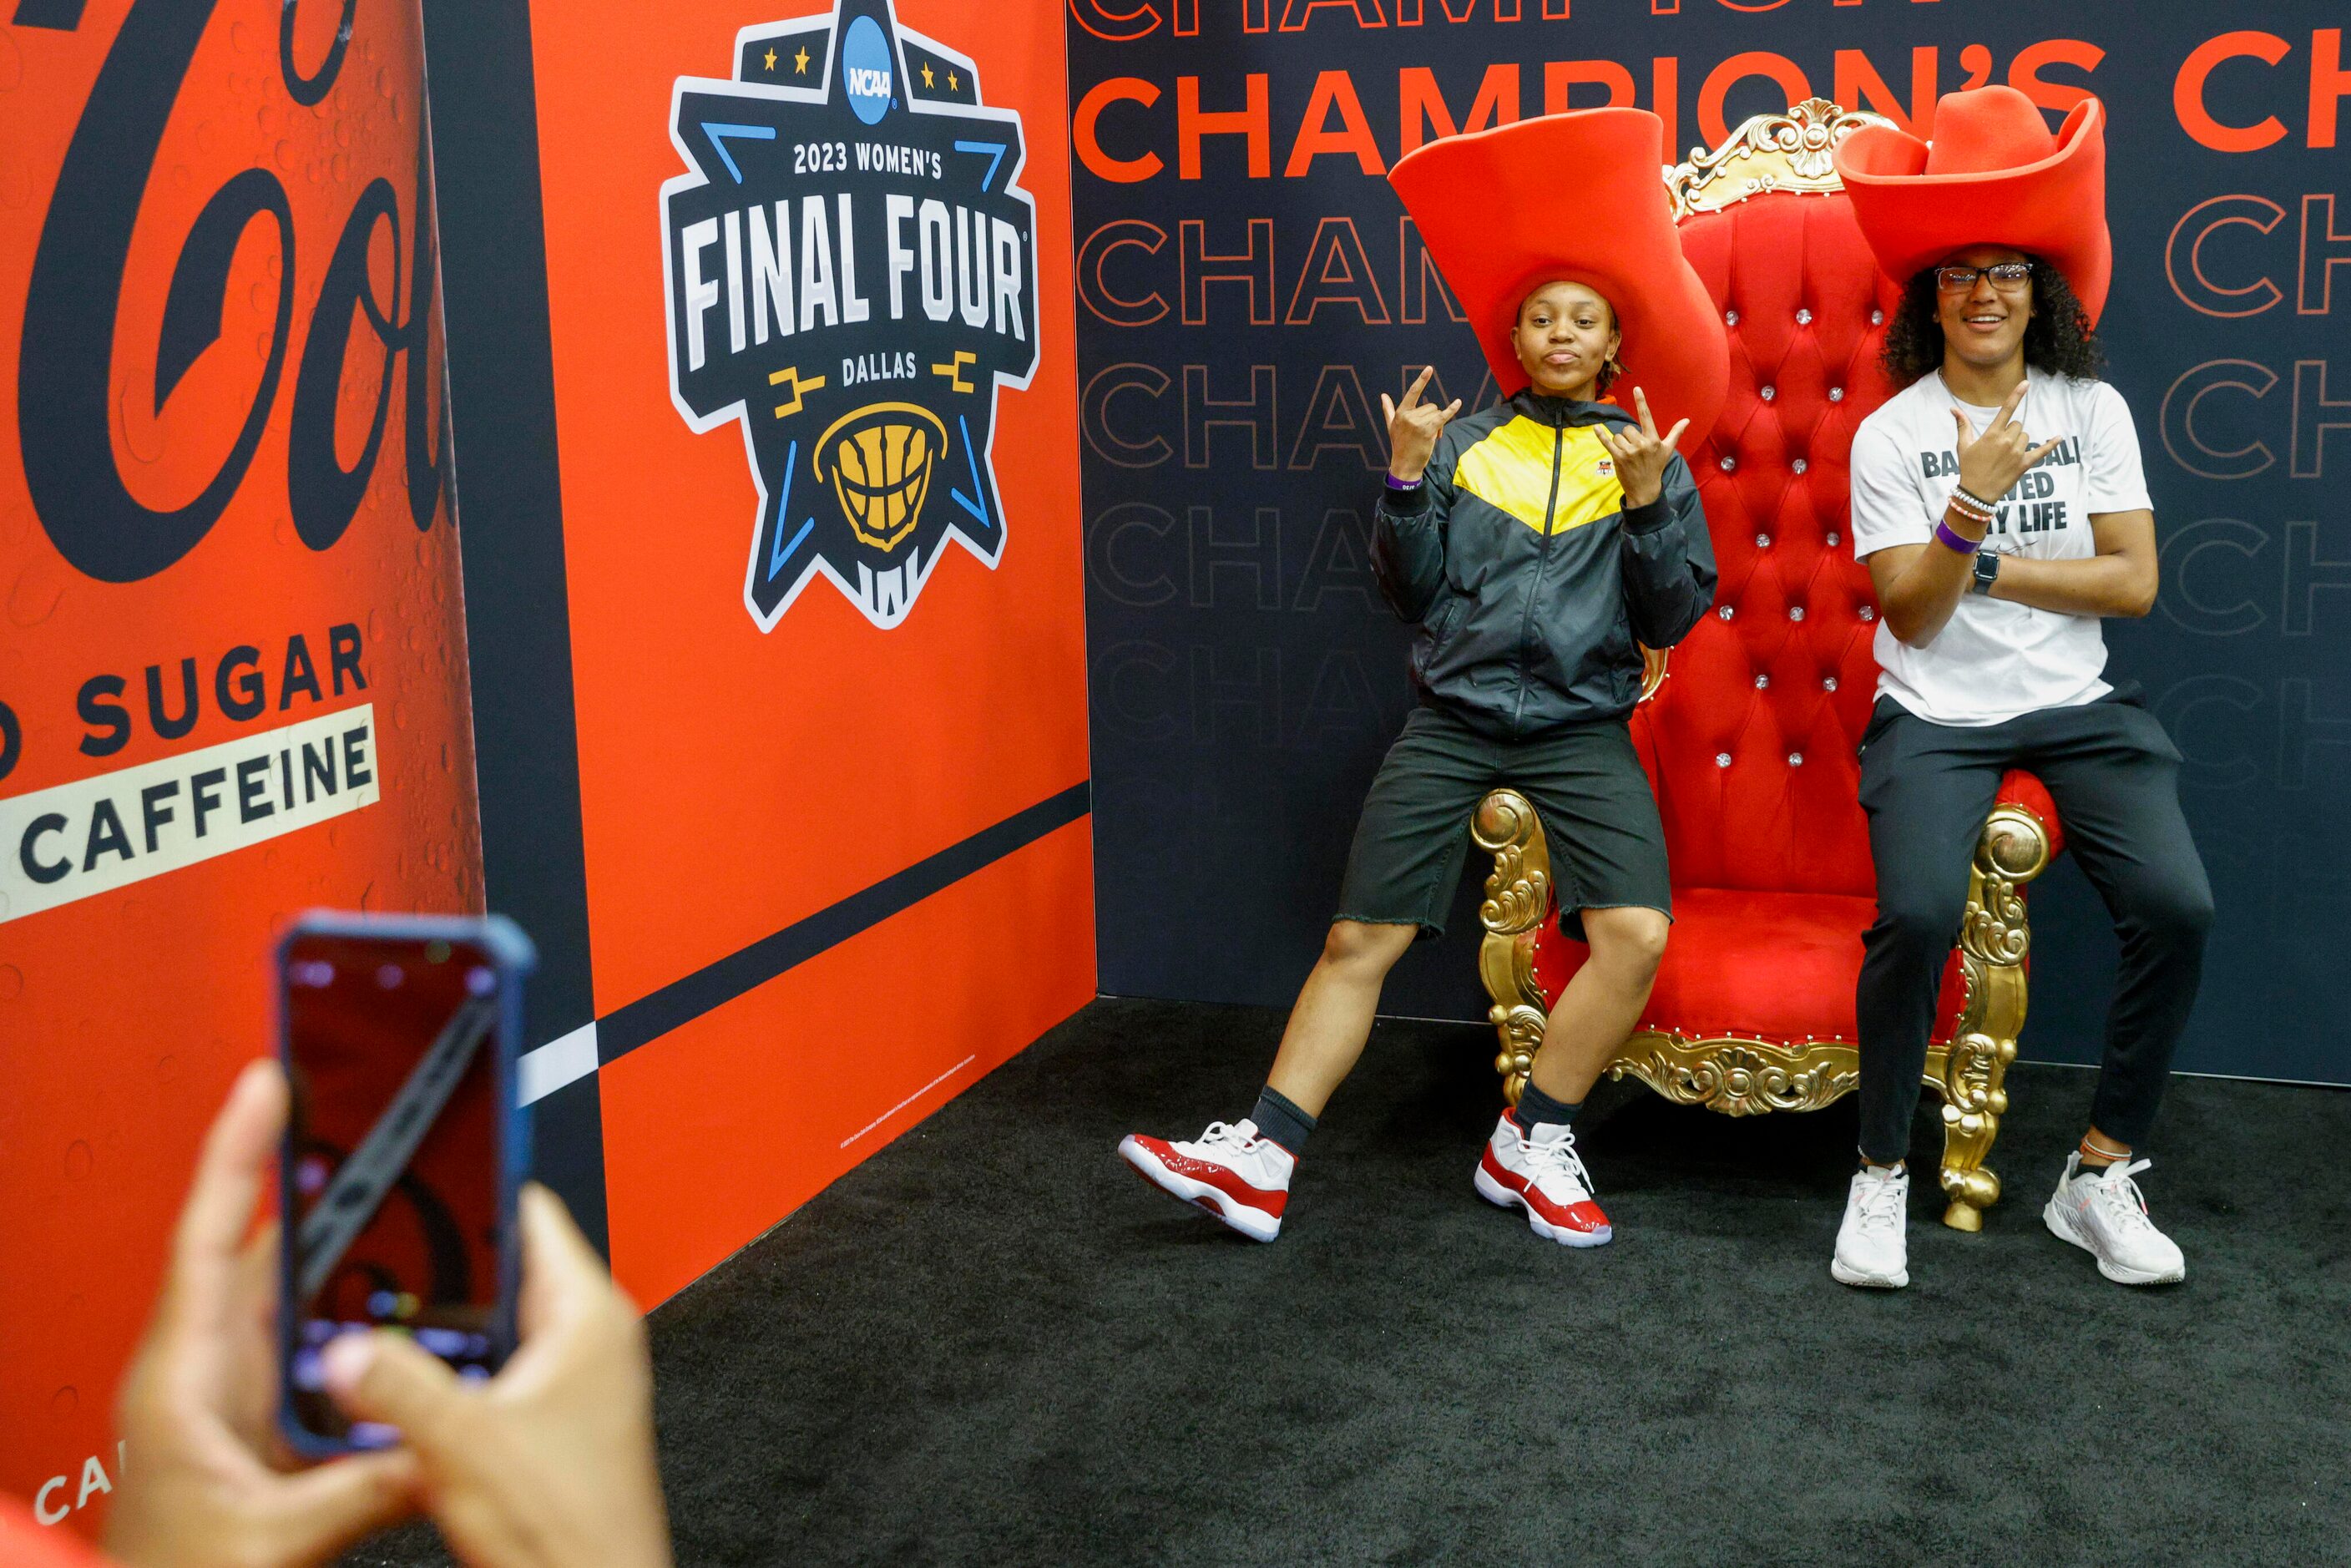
x,y
2113,775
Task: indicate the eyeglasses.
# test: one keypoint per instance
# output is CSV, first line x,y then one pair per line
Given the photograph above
x,y
2008,274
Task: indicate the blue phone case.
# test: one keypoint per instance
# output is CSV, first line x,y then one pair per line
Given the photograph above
x,y
510,951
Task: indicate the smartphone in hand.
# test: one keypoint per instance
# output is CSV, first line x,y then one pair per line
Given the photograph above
x,y
404,1151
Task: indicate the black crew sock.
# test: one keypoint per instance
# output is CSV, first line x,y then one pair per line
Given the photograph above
x,y
1538,1109
1284,1123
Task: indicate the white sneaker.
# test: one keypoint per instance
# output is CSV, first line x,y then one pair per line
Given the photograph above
x,y
1872,1248
2103,1213
1541,1172
1230,1172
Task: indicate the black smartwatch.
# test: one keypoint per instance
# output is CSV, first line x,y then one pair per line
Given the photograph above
x,y
1987,569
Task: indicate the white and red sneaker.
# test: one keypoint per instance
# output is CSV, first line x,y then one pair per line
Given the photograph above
x,y
1541,1172
1241,1178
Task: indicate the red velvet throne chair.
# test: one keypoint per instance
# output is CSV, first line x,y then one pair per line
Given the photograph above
x,y
1748,728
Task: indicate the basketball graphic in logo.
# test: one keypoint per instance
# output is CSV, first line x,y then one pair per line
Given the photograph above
x,y
882,456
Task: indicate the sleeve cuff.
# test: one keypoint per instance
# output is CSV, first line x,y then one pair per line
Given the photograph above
x,y
1868,541
1409,502
1648,519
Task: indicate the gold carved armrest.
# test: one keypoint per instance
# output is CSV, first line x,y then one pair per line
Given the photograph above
x,y
1971,1073
1518,901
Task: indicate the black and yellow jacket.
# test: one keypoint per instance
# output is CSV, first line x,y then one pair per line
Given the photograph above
x,y
1532,582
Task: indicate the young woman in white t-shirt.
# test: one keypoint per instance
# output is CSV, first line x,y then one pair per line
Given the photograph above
x,y
1999,504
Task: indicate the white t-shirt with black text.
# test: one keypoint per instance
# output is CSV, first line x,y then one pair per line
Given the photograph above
x,y
1994,660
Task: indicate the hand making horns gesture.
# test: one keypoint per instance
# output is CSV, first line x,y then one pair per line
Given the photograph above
x,y
1414,427
1640,455
1990,463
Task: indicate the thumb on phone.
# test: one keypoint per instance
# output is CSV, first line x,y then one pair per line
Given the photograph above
x,y
390,1378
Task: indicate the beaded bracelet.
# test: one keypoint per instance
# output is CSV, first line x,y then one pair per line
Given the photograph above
x,y
1970,507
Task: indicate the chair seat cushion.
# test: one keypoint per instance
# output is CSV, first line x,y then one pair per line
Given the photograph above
x,y
1772,965
1779,967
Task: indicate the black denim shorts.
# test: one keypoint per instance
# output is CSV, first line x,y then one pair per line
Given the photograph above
x,y
1600,821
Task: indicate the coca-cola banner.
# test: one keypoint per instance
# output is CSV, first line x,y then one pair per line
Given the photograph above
x,y
233,657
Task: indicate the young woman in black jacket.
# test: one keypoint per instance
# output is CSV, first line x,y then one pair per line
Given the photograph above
x,y
1538,544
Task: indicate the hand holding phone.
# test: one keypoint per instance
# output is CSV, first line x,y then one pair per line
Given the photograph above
x,y
550,1463
553,1456
414,1257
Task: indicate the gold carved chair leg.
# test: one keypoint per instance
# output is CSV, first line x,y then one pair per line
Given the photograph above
x,y
1518,900
1972,1074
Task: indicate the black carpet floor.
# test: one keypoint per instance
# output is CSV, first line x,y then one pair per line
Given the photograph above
x,y
992,1343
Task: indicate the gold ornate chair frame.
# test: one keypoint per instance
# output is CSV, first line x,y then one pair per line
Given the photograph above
x,y
1748,1076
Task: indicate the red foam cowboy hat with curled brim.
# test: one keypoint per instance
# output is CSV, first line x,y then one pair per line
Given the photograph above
x,y
1992,176
1579,197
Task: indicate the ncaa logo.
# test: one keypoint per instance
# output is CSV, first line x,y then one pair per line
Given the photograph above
x,y
865,70
851,276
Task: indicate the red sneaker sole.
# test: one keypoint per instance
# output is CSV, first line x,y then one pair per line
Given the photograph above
x,y
1255,1224
1500,1196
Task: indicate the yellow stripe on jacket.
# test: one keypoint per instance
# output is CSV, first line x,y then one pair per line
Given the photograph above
x,y
1511,469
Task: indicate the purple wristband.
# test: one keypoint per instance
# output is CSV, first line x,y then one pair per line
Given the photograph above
x,y
1956,539
1395,483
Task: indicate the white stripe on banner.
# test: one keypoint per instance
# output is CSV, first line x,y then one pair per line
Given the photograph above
x,y
97,834
557,1063
909,1100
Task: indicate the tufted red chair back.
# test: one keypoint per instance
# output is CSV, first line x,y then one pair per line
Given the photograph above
x,y
1750,742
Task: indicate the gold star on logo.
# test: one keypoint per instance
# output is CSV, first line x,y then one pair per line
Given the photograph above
x,y
771,60
926,76
799,62
951,81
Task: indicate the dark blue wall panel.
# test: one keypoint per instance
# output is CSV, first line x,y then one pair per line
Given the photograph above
x,y
1237,327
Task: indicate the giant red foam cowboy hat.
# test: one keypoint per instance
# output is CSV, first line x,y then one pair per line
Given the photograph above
x,y
1581,197
1992,176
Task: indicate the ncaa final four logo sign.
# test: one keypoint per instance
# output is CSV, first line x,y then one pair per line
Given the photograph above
x,y
851,273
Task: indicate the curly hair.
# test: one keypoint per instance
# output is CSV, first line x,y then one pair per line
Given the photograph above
x,y
2057,339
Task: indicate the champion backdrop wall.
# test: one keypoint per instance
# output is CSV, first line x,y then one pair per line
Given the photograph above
x,y
233,653
1248,287
763,375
